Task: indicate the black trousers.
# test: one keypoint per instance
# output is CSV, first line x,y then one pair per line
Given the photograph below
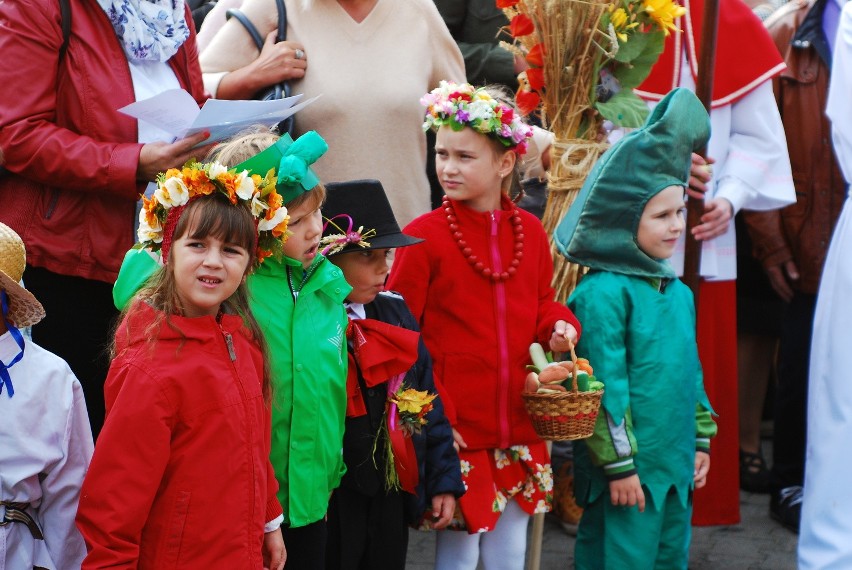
x,y
78,327
791,395
305,546
366,533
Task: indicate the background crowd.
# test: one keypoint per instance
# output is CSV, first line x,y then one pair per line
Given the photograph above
x,y
73,168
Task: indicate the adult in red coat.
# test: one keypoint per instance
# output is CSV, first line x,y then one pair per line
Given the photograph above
x,y
75,166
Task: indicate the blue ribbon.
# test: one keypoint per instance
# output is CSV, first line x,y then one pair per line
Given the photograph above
x,y
5,379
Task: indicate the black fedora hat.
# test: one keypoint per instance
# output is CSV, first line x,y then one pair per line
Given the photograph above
x,y
358,217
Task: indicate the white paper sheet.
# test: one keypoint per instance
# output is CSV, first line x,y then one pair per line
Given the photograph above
x,y
176,112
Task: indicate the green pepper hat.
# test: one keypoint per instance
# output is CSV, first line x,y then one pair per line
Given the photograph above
x,y
292,161
599,230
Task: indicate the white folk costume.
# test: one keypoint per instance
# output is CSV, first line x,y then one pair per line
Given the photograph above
x,y
826,523
752,171
46,441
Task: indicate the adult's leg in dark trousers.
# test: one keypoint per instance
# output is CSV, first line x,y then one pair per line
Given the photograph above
x,y
788,446
78,326
306,546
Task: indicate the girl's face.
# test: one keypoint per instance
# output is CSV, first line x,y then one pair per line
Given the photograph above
x,y
306,230
662,223
365,271
469,168
207,272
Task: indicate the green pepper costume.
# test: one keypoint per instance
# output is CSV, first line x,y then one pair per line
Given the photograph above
x,y
639,334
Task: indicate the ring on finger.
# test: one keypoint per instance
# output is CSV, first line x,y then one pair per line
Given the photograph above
x,y
300,54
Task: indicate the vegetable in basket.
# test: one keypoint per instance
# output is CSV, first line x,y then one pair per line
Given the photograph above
x,y
549,377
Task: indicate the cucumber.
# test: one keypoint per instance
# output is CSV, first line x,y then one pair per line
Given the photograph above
x,y
537,356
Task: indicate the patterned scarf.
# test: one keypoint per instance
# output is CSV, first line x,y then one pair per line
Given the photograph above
x,y
150,30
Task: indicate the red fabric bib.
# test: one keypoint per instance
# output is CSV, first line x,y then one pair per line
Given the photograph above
x,y
382,351
745,54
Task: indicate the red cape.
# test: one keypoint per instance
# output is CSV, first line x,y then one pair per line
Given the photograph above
x,y
745,54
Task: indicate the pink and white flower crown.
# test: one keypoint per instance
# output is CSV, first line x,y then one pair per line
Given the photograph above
x,y
459,106
177,187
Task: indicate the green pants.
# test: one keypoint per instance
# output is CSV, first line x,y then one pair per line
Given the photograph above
x,y
616,538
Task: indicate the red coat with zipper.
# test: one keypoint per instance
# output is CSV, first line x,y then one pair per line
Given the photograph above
x,y
70,186
478,331
181,476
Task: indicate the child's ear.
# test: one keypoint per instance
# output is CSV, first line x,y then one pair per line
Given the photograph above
x,y
506,163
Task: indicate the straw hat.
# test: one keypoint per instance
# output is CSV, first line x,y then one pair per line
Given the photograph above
x,y
24,308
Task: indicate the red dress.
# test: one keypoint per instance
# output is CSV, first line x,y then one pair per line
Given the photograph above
x,y
478,332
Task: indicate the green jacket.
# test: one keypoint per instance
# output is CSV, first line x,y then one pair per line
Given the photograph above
x,y
655,413
307,350
307,347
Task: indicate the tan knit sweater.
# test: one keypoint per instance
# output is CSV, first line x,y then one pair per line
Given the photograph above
x,y
371,76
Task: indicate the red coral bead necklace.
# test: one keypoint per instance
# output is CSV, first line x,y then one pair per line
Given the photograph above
x,y
474,261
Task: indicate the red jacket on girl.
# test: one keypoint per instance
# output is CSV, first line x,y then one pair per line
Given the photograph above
x,y
480,382
181,476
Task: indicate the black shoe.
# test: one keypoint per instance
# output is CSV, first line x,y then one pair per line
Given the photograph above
x,y
754,476
785,506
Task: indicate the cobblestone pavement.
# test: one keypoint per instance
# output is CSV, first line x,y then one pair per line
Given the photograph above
x,y
757,543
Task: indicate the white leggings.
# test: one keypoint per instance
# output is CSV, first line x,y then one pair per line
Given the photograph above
x,y
503,548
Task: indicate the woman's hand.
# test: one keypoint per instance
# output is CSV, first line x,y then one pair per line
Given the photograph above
x,y
274,552
278,62
158,157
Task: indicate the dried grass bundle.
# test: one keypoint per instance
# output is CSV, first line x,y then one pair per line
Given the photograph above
x,y
568,32
586,56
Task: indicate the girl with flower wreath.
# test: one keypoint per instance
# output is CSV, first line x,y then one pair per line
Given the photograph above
x,y
480,288
181,475
297,297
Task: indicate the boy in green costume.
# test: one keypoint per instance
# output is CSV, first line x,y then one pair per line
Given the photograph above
x,y
635,475
298,303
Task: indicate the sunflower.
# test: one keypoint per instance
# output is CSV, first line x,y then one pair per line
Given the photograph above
x,y
664,13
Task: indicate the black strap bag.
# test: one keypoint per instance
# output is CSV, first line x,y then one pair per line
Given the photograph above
x,y
279,90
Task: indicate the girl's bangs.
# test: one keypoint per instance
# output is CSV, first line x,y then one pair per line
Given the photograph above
x,y
215,216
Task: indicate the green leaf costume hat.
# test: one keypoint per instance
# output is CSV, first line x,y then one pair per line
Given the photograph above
x,y
599,230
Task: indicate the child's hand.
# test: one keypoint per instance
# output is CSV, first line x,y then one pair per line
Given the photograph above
x,y
702,466
627,492
564,335
458,441
274,552
443,507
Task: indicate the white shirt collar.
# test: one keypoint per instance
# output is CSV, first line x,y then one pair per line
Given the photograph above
x,y
355,311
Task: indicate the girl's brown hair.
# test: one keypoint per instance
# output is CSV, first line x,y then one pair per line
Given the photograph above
x,y
206,216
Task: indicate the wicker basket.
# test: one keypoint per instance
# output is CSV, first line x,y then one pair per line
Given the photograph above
x,y
564,415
